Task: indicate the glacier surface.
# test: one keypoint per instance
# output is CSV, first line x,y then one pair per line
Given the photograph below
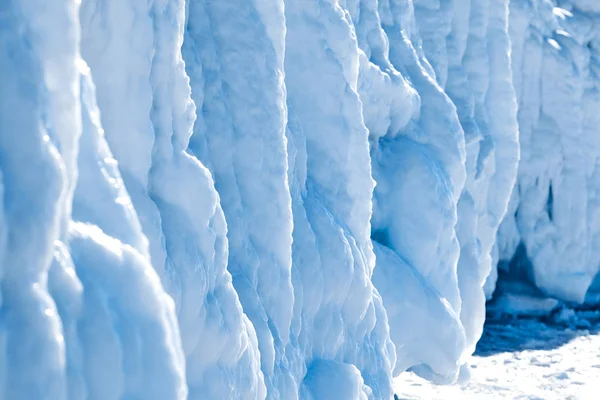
x,y
553,222
285,199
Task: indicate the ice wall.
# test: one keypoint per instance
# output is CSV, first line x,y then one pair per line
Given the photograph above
x,y
148,114
83,314
417,151
438,102
234,57
116,327
341,322
332,75
298,212
554,213
283,199
467,44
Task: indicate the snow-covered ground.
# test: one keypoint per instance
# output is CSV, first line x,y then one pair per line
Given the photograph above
x,y
555,357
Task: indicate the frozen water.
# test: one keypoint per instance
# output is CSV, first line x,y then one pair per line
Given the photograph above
x,y
147,111
554,208
287,199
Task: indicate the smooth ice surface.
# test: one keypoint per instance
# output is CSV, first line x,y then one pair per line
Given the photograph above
x,y
286,199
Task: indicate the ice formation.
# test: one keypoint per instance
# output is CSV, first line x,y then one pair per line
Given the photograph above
x,y
286,199
554,214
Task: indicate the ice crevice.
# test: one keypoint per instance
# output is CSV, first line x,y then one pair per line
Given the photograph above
x,y
286,199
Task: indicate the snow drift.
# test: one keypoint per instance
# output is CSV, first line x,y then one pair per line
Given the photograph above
x,y
294,199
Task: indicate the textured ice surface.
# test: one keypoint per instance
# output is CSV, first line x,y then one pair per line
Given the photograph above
x,y
457,153
147,111
287,199
554,211
83,313
234,57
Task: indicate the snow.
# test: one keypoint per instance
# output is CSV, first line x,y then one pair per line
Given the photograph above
x,y
526,359
297,199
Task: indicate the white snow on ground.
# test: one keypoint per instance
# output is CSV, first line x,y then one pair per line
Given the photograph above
x,y
527,358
